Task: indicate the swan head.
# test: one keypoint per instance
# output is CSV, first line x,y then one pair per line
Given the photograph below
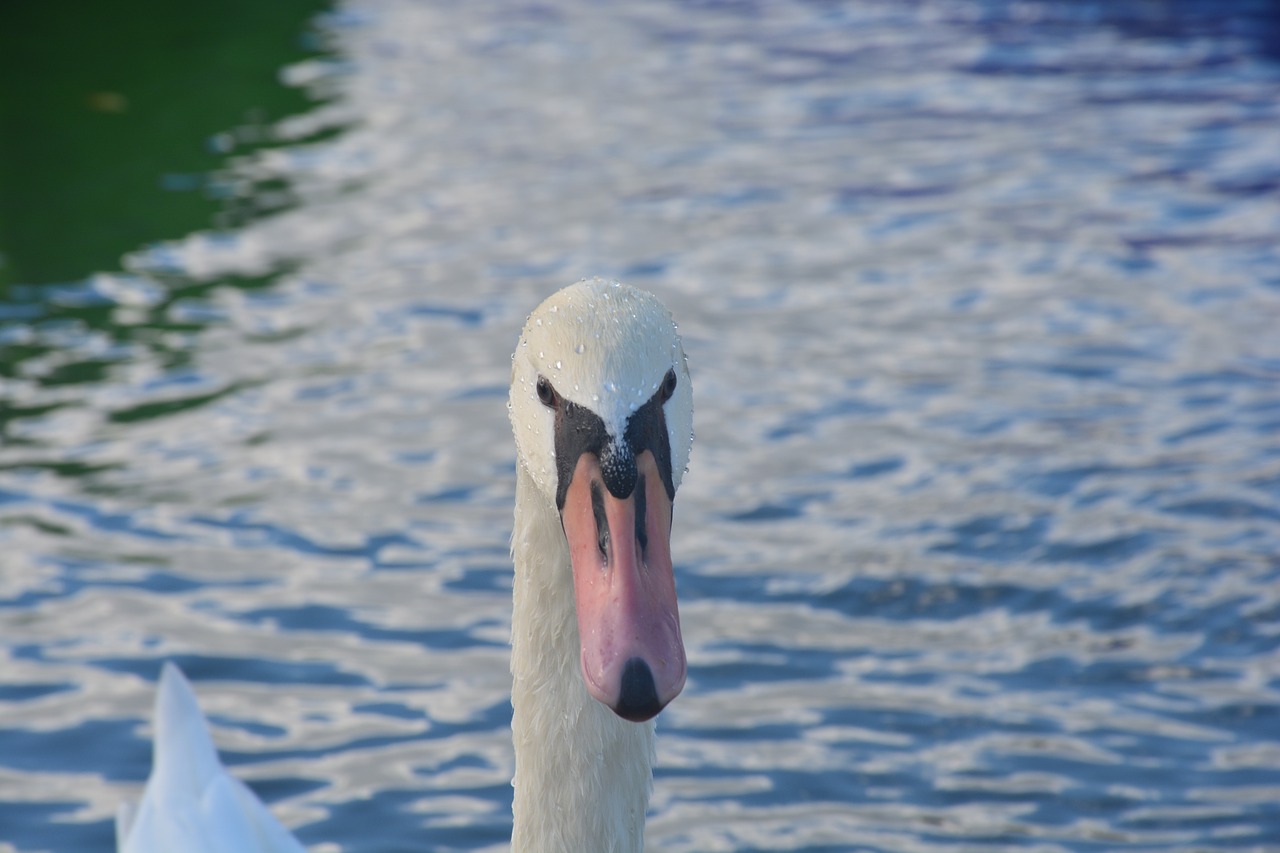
x,y
602,411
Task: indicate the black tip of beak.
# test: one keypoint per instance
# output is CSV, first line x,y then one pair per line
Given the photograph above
x,y
638,699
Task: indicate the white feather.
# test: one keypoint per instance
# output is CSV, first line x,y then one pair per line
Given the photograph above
x,y
191,803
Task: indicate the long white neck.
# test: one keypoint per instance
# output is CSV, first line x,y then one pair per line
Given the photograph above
x,y
582,773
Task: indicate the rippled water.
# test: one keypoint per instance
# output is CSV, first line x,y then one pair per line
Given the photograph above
x,y
980,547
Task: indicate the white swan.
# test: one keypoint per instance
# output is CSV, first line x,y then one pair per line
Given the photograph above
x,y
191,803
603,419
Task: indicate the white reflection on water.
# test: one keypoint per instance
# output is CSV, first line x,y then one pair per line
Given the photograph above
x,y
978,548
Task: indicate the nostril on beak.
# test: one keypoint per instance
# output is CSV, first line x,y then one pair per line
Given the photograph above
x,y
638,698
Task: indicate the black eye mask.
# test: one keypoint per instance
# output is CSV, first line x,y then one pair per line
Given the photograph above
x,y
579,430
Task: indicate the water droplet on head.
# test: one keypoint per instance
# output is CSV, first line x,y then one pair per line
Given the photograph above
x,y
538,322
557,365
579,348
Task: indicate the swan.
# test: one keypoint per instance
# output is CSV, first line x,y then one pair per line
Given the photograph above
x,y
602,412
191,803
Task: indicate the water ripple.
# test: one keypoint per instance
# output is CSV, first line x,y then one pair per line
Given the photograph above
x,y
978,546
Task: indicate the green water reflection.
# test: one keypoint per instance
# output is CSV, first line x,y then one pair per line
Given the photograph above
x,y
114,114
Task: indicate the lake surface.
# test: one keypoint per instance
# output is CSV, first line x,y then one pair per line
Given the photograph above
x,y
980,545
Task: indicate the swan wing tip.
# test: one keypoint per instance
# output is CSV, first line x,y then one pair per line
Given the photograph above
x,y
183,745
125,815
191,803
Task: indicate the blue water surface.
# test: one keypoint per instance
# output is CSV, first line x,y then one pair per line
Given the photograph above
x,y
980,544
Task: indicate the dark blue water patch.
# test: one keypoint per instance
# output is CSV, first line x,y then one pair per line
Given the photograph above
x,y
1015,50
1057,482
114,522
1233,827
803,422
899,223
315,617
697,585
996,537
977,423
384,565
1199,430
399,817
1229,377
326,390
483,579
250,534
493,718
73,582
271,790
232,758
644,269
461,762
863,470
1113,674
791,506
1228,635
1245,722
28,692
452,494
1205,400
252,670
856,197
1223,509
471,317
527,269
166,583
1111,352
805,786
23,312
394,710
1062,481
1268,428
875,468
253,727
107,748
1100,552
52,826
903,599
482,392
1079,369
11,497
765,662
740,197
769,732
967,299
767,512
1264,184
415,457
913,729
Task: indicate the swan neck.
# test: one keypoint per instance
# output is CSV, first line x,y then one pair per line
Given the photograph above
x,y
583,775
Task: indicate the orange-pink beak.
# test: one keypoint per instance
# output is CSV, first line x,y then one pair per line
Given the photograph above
x,y
632,653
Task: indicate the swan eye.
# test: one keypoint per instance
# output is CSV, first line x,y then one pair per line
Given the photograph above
x,y
668,385
547,394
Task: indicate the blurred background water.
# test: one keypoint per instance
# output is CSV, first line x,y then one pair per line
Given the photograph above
x,y
980,546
